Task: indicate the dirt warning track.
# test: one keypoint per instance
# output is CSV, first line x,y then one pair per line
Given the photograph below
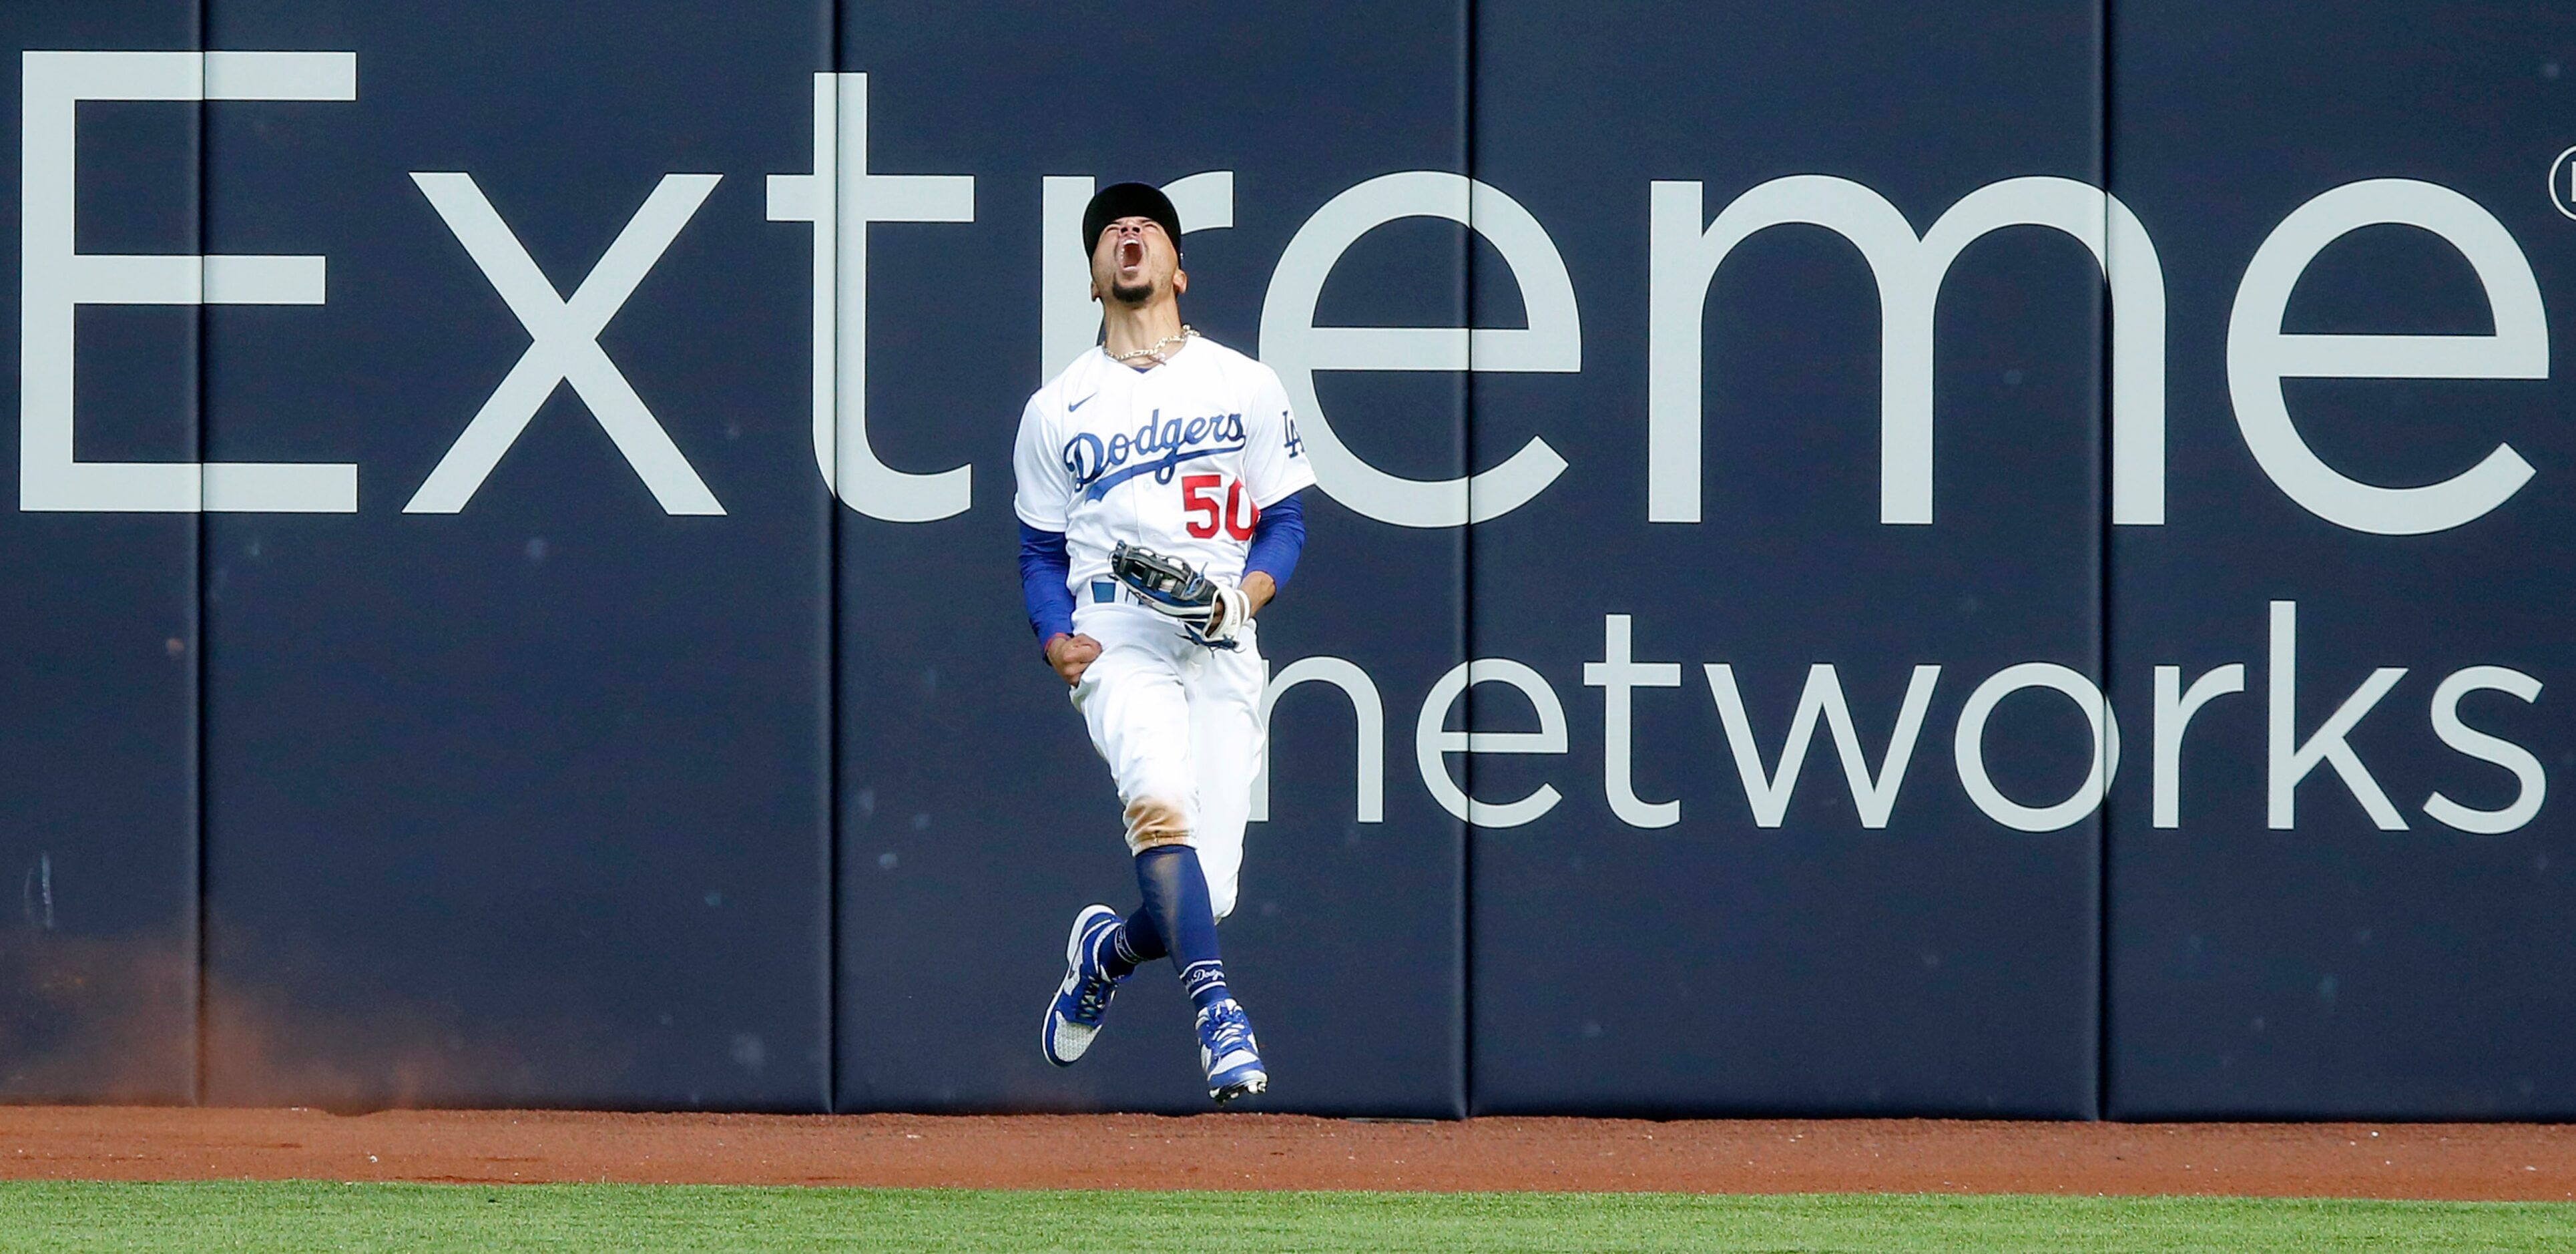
x,y
1249,1151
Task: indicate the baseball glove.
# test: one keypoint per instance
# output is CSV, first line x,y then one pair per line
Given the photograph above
x,y
1209,612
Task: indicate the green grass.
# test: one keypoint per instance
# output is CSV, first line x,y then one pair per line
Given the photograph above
x,y
313,1215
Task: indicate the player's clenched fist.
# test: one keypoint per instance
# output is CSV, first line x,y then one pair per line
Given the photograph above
x,y
1072,655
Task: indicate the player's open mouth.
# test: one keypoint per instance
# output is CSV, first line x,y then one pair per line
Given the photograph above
x,y
1131,253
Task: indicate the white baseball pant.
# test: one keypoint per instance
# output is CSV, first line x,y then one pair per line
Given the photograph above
x,y
1180,726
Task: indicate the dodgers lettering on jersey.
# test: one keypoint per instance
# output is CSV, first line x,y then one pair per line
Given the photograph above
x,y
1157,448
1180,459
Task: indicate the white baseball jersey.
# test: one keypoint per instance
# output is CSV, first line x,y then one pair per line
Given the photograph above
x,y
1180,459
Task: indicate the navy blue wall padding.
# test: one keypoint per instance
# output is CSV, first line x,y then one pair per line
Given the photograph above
x,y
522,804
98,730
1943,965
2336,970
534,780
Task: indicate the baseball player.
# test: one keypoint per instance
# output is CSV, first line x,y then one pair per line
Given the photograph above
x,y
1158,480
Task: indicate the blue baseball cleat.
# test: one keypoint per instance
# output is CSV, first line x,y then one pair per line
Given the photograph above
x,y
1073,1018
1229,1054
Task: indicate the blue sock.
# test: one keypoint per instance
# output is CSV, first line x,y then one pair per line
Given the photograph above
x,y
1176,904
1136,942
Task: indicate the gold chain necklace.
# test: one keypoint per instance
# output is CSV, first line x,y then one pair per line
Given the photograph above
x,y
1155,349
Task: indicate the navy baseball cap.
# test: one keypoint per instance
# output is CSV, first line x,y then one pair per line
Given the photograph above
x,y
1128,200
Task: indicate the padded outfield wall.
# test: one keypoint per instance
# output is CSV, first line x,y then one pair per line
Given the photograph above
x,y
1870,559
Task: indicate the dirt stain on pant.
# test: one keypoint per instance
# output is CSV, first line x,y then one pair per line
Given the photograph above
x,y
1152,822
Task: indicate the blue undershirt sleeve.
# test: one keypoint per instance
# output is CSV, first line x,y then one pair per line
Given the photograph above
x,y
1043,566
1277,539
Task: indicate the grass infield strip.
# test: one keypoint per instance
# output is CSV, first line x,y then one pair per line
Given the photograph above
x,y
244,1215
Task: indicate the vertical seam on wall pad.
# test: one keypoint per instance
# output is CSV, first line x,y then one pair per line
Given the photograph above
x,y
198,699
832,675
1465,928
2102,575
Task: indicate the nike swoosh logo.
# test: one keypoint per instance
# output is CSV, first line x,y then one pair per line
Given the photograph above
x,y
1080,403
